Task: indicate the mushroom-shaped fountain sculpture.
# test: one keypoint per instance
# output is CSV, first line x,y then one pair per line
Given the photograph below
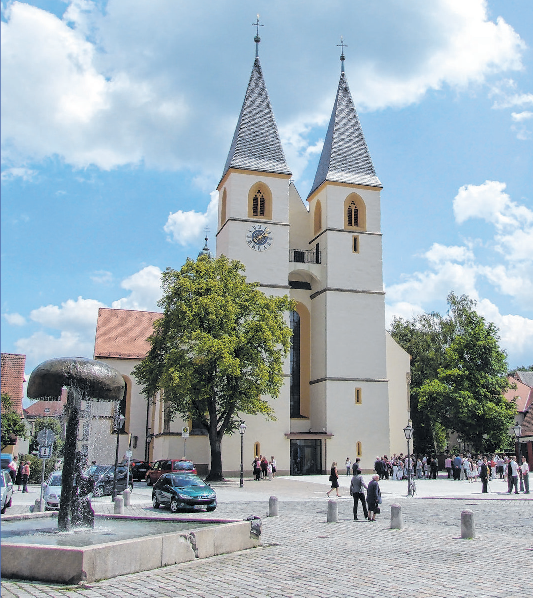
x,y
86,380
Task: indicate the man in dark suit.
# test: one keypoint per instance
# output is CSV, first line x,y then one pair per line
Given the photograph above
x,y
484,475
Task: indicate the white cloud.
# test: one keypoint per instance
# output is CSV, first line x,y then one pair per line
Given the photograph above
x,y
187,227
15,319
438,254
521,116
102,277
401,309
26,174
73,316
145,287
41,346
129,84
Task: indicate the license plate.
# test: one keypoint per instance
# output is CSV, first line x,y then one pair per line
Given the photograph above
x,y
198,507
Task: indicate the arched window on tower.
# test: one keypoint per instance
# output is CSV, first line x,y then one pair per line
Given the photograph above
x,y
354,212
223,207
318,217
260,202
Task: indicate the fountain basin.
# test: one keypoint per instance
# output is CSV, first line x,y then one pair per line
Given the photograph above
x,y
155,542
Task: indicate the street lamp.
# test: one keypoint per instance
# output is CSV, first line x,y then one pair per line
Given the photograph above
x,y
517,429
408,431
242,430
119,424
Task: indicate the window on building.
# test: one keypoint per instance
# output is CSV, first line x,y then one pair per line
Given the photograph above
x,y
358,396
317,254
257,449
359,449
355,244
354,212
260,202
223,208
295,365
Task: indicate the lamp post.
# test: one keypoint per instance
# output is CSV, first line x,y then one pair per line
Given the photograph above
x,y
408,431
517,429
119,423
242,430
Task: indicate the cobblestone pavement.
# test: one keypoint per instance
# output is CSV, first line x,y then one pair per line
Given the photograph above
x,y
303,556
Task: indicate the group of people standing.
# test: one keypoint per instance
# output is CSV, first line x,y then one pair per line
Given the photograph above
x,y
357,487
20,473
263,468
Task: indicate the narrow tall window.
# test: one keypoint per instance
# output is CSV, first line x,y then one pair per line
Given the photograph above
x,y
295,365
353,214
317,217
359,449
355,244
358,397
257,449
258,203
223,208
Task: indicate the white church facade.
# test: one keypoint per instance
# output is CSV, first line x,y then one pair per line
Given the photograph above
x,y
346,390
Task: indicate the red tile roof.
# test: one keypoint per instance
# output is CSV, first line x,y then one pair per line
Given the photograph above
x,y
13,378
522,394
123,333
47,408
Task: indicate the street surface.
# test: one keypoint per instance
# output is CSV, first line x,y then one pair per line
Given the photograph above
x,y
303,556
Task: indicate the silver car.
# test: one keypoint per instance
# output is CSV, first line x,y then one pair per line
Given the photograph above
x,y
6,487
52,491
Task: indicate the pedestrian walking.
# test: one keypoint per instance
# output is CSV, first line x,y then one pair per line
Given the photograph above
x,y
257,468
25,476
356,491
484,476
373,497
18,479
273,464
513,475
13,469
334,479
525,474
348,466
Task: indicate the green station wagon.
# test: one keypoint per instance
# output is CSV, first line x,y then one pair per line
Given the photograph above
x,y
183,492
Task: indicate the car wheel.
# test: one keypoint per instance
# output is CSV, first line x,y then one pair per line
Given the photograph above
x,y
155,502
149,481
174,505
10,501
4,509
98,491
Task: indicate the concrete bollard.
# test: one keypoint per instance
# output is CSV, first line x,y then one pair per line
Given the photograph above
x,y
273,506
39,506
467,525
333,511
127,497
119,505
396,519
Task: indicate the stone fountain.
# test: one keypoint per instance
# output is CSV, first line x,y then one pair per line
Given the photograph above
x,y
86,380
119,544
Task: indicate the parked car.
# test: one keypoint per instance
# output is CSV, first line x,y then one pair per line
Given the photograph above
x,y
6,460
182,492
169,466
103,485
95,471
139,469
52,491
6,488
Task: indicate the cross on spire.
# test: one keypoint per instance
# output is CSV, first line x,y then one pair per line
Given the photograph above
x,y
342,45
257,39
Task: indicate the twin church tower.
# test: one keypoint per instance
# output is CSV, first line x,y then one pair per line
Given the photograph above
x,y
346,390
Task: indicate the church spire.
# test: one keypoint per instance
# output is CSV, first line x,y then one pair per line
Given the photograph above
x,y
256,145
345,157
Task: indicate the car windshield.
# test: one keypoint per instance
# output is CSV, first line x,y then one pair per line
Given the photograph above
x,y
182,482
96,470
180,465
55,480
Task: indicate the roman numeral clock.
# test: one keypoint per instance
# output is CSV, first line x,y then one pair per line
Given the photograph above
x,y
259,237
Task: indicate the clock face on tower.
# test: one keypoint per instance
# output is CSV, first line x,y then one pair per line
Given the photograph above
x,y
259,237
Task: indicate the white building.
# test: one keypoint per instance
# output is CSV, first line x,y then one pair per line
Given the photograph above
x,y
346,391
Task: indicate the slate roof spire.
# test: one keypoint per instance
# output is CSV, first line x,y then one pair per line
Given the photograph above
x,y
256,145
345,157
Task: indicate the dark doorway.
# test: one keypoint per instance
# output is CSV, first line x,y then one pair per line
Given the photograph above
x,y
306,457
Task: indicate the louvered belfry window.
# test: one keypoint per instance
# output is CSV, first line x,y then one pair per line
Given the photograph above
x,y
258,204
353,214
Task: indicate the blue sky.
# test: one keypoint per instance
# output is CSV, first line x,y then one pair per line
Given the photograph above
x,y
117,118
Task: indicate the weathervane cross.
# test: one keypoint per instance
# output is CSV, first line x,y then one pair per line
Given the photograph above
x,y
342,45
257,39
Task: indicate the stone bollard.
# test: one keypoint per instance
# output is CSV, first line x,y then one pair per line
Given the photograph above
x,y
119,505
127,497
273,506
333,511
396,519
467,525
39,506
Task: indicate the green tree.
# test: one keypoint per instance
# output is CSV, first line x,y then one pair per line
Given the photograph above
x,y
217,350
461,374
12,424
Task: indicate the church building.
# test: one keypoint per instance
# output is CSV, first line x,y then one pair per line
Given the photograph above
x,y
346,391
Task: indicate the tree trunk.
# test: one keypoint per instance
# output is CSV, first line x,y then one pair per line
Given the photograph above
x,y
215,474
